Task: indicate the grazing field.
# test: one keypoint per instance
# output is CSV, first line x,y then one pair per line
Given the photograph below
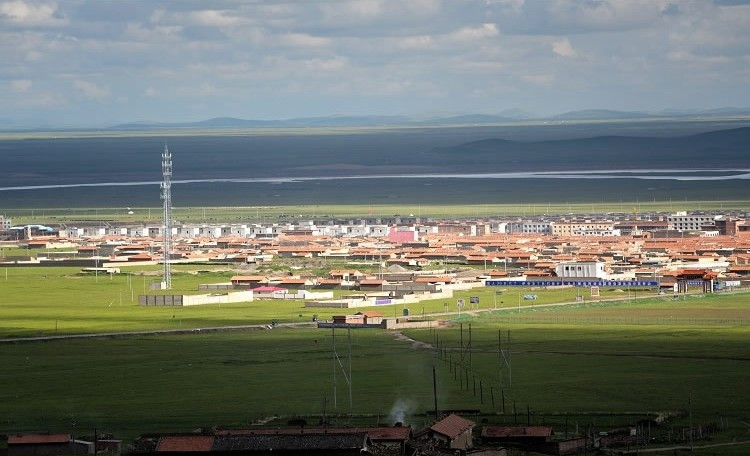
x,y
293,212
628,365
60,300
595,363
146,384
604,375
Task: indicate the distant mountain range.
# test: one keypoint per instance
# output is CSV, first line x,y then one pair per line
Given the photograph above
x,y
507,116
722,148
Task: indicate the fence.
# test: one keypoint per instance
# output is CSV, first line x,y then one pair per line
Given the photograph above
x,y
620,320
160,300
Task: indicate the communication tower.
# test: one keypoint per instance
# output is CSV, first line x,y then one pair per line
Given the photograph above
x,y
166,195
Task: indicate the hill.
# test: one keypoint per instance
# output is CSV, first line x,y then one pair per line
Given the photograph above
x,y
725,148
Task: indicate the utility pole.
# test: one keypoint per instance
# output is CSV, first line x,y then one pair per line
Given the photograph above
x,y
434,391
333,356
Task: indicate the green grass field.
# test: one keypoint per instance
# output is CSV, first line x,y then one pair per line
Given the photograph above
x,y
594,363
260,214
58,301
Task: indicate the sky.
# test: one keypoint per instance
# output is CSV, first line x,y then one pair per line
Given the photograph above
x,y
105,62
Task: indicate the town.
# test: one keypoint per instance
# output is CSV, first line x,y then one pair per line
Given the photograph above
x,y
616,246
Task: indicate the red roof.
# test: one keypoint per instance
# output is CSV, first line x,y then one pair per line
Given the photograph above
x,y
375,433
452,426
516,431
21,439
268,289
186,443
249,278
446,279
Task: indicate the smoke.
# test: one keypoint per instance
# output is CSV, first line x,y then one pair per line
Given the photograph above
x,y
400,410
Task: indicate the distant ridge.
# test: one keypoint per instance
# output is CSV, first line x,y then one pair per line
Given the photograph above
x,y
727,148
508,116
603,114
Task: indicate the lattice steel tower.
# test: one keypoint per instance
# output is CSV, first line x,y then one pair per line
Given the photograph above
x,y
166,195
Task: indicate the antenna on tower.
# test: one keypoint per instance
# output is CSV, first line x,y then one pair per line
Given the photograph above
x,y
166,195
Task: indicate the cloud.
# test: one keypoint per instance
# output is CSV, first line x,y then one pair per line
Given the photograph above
x,y
215,18
91,90
31,14
303,40
563,48
288,58
474,33
558,17
20,85
544,80
201,90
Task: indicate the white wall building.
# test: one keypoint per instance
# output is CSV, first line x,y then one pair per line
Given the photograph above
x,y
581,270
498,227
378,230
5,223
529,227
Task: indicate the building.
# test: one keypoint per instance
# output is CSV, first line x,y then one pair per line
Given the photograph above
x,y
401,234
682,221
278,442
581,269
452,432
248,281
523,436
46,445
529,227
586,228
5,223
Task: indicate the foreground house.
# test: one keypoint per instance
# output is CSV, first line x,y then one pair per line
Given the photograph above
x,y
46,445
452,432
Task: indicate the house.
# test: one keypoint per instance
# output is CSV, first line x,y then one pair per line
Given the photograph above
x,y
43,445
330,283
243,281
268,292
278,442
295,283
371,285
371,317
356,320
523,436
440,280
384,440
329,443
346,274
185,444
452,432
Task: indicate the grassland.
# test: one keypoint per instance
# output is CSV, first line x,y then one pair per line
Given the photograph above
x,y
296,212
58,301
603,375
603,364
181,382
